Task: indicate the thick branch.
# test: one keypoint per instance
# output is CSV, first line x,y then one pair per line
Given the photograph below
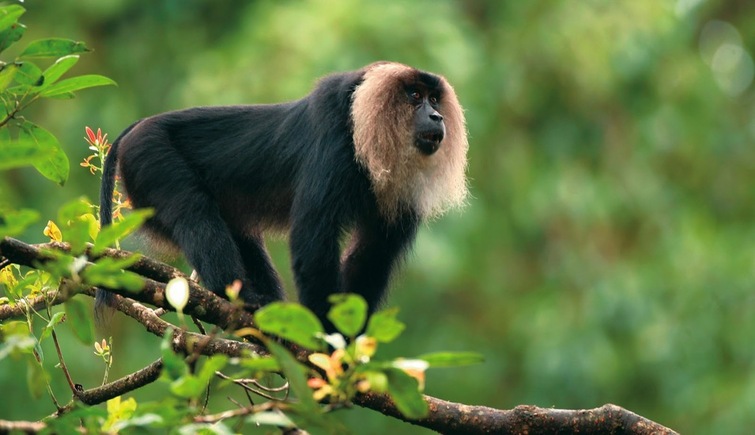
x,y
184,341
202,304
123,385
449,417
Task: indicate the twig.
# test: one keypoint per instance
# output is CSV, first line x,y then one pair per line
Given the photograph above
x,y
21,426
261,390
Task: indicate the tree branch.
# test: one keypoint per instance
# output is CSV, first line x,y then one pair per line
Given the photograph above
x,y
202,303
446,417
449,417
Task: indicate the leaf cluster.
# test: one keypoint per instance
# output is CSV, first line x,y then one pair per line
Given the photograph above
x,y
23,82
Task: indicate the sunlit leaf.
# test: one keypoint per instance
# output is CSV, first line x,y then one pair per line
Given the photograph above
x,y
53,47
9,15
348,313
76,84
60,67
292,322
7,74
79,318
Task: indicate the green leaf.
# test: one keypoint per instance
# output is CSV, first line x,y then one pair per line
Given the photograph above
x,y
348,313
258,363
53,47
60,67
118,230
188,387
29,74
384,326
77,224
452,359
7,74
174,366
75,84
295,375
9,15
14,222
404,390
72,210
65,96
36,378
213,364
16,339
108,272
22,152
55,164
79,319
11,35
54,321
292,322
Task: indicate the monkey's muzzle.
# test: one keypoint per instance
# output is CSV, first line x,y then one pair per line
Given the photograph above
x,y
429,141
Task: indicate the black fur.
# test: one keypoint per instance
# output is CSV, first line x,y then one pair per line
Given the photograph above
x,y
217,177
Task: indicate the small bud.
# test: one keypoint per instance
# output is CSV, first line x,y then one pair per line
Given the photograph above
x,y
177,293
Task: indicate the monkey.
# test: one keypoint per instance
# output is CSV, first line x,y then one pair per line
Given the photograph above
x,y
369,154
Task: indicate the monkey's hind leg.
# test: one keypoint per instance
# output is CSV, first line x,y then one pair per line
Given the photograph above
x,y
265,283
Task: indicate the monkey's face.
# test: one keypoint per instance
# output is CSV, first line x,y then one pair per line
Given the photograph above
x,y
429,129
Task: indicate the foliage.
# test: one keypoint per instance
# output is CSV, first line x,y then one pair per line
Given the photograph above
x,y
22,83
339,368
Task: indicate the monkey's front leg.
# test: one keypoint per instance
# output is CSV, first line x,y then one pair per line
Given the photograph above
x,y
375,250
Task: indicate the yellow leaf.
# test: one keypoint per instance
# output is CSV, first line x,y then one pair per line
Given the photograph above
x,y
53,232
118,410
7,277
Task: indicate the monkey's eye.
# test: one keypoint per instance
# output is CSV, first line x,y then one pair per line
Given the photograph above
x,y
416,96
433,100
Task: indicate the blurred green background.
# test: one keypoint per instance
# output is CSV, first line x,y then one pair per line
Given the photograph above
x,y
608,250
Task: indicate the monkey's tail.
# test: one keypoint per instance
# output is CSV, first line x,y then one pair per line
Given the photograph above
x,y
104,301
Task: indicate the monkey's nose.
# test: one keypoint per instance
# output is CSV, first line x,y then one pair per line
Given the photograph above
x,y
435,116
